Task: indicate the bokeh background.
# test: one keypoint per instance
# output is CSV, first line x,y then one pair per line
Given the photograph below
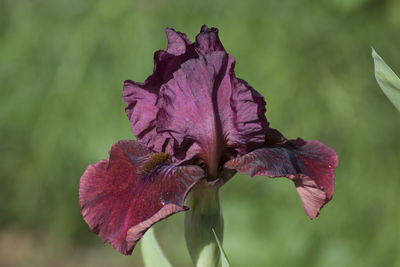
x,y
62,65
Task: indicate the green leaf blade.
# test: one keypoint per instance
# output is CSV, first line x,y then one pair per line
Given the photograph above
x,y
224,258
388,81
151,251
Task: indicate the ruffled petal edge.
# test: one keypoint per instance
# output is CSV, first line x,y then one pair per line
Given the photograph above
x,y
310,165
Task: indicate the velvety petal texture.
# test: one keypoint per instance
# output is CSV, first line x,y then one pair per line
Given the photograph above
x,y
202,110
122,197
310,165
141,97
194,120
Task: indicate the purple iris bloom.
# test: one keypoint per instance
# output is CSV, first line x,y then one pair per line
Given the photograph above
x,y
194,121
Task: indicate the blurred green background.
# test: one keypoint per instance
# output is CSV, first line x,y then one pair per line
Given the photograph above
x,y
62,65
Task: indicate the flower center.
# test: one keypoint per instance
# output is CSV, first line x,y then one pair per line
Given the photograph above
x,y
153,162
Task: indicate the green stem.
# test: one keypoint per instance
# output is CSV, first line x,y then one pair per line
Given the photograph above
x,y
204,215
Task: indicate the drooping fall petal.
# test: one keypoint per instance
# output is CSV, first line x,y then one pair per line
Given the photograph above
x,y
310,165
122,197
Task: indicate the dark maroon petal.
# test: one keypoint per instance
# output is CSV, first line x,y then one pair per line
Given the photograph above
x,y
177,42
205,109
310,165
141,97
202,109
120,201
141,109
245,126
188,117
207,41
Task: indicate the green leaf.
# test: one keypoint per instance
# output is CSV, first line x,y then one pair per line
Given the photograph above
x,y
387,80
224,259
151,251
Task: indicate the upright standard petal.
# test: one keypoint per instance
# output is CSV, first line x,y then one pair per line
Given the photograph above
x,y
188,118
122,197
205,111
141,97
245,124
178,43
310,165
141,109
234,109
207,41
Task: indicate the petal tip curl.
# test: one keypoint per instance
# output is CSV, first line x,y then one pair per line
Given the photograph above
x,y
310,165
177,42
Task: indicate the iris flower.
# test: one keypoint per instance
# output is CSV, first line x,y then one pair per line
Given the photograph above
x,y
195,122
